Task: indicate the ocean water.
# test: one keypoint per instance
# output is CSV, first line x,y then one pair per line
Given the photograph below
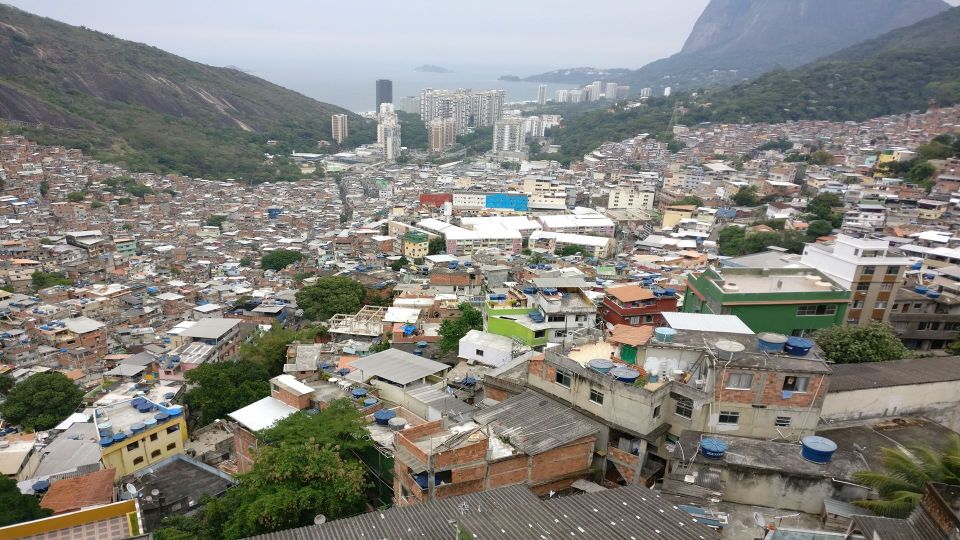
x,y
352,86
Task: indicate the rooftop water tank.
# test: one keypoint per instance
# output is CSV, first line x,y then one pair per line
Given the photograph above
x,y
119,436
798,346
921,290
370,402
149,422
174,410
106,429
817,449
137,428
601,365
383,416
625,374
713,448
106,441
469,381
397,423
161,416
917,266
933,294
343,371
664,334
359,392
771,342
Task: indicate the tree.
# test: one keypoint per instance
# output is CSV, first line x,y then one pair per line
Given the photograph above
x,y
6,384
76,196
42,401
730,240
16,507
875,342
818,228
339,426
279,259
216,220
42,280
246,261
269,349
436,246
221,388
44,188
571,249
747,196
905,476
452,330
821,157
399,263
330,295
823,204
689,200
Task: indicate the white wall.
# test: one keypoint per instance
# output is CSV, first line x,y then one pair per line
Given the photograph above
x,y
937,401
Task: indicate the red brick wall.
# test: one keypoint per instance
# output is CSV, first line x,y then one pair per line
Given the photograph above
x,y
772,390
435,199
508,472
298,402
242,441
569,459
495,393
624,462
467,454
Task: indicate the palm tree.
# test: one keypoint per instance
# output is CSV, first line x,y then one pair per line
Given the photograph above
x,y
907,472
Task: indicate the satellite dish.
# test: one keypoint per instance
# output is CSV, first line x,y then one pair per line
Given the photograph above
x,y
729,347
132,489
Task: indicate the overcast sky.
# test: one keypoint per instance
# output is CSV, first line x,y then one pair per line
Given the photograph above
x,y
555,34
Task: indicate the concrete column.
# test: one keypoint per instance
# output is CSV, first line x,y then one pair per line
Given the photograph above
x,y
641,460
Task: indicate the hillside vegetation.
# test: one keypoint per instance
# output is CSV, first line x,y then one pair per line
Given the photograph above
x,y
146,108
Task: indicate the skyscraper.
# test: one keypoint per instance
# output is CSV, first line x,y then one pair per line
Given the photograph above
x,y
562,96
384,92
646,92
542,94
441,134
595,90
667,91
508,135
486,107
340,127
610,93
388,131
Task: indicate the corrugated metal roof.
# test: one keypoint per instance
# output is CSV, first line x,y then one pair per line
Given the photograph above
x,y
394,365
848,377
534,423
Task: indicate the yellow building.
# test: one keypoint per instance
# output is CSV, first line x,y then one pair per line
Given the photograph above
x,y
673,214
141,430
115,521
416,245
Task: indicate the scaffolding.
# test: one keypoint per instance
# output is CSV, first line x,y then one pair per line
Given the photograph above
x,y
366,322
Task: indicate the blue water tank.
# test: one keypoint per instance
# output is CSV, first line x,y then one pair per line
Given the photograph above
x,y
383,416
343,371
137,428
713,448
771,342
601,365
175,410
665,334
418,352
149,422
798,346
161,416
119,436
921,290
933,294
817,449
917,266
106,441
625,374
359,392
469,380
370,402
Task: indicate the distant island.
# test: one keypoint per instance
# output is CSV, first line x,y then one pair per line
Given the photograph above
x,y
510,78
430,68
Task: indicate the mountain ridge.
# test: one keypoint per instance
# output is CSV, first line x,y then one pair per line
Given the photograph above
x,y
735,40
145,107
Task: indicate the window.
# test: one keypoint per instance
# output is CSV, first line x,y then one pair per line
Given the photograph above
x,y
656,411
739,381
133,445
479,352
174,428
138,460
563,378
782,421
556,318
857,304
917,306
155,453
684,407
539,333
811,310
171,446
869,270
893,270
648,319
880,305
886,286
154,437
861,287
729,417
596,396
796,384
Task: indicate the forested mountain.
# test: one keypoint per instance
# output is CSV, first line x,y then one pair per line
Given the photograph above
x,y
734,40
147,108
908,69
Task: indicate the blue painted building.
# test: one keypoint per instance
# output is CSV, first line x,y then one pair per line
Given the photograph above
x,y
507,201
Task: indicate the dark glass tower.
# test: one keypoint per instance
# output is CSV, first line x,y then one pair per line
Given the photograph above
x,y
384,92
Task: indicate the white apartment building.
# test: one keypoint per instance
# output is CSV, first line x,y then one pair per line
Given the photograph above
x,y
610,92
542,94
866,218
546,194
509,135
631,198
340,127
870,268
